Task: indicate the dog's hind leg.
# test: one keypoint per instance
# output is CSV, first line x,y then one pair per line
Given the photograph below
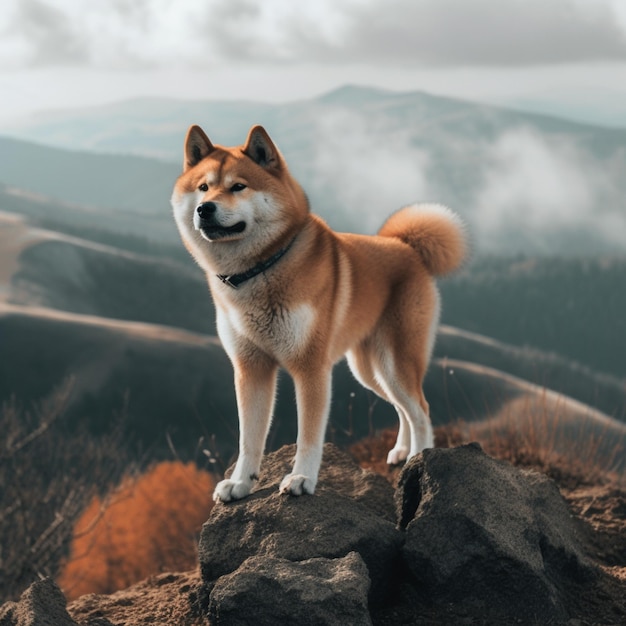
x,y
255,384
313,402
402,384
402,447
404,349
393,361
360,365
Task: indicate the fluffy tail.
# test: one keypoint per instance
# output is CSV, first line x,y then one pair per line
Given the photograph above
x,y
435,232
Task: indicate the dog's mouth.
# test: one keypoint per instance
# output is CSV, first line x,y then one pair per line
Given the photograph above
x,y
213,231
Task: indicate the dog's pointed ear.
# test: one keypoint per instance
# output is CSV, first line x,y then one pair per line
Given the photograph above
x,y
261,149
197,146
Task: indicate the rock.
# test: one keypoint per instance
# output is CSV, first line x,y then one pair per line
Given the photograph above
x,y
42,604
340,473
486,535
275,591
349,512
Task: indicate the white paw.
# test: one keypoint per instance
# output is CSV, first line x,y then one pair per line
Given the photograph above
x,y
397,454
227,490
297,484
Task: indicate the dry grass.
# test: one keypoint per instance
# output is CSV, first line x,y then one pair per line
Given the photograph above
x,y
47,474
538,444
149,524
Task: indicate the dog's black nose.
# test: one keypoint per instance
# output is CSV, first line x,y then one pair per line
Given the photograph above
x,y
206,209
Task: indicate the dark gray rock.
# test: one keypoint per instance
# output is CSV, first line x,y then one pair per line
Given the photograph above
x,y
486,535
42,604
266,590
346,514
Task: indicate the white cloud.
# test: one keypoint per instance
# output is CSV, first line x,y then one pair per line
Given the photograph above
x,y
541,188
368,170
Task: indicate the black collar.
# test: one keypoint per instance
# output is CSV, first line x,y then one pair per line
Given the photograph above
x,y
234,280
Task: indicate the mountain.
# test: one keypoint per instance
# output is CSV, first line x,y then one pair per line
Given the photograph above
x,y
583,105
154,127
523,182
75,275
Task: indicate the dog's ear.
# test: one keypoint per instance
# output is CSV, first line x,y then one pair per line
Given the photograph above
x,y
261,149
197,146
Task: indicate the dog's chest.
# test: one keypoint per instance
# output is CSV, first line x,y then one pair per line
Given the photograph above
x,y
281,330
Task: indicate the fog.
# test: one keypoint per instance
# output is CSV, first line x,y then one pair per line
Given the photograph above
x,y
519,192
365,169
544,189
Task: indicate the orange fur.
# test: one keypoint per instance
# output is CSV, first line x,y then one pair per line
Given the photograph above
x,y
434,232
371,298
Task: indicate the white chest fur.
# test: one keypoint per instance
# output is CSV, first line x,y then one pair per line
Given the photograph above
x,y
280,331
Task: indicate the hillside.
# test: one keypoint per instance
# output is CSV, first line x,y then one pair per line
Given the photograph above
x,y
572,307
161,381
133,333
51,269
545,369
125,228
92,180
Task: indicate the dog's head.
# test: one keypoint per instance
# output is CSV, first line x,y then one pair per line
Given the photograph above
x,y
243,194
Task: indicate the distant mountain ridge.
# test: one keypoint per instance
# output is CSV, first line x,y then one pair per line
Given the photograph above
x,y
92,180
524,182
152,127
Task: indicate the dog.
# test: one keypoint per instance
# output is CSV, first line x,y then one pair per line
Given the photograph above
x,y
290,292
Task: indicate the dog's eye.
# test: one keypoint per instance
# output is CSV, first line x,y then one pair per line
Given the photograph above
x,y
237,187
203,187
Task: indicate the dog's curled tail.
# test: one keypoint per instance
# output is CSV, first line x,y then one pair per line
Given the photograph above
x,y
435,232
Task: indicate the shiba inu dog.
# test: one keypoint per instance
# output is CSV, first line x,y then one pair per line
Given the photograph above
x,y
291,292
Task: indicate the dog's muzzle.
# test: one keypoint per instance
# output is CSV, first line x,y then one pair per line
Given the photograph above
x,y
205,220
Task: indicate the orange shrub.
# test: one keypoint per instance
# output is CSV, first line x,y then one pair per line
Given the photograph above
x,y
149,524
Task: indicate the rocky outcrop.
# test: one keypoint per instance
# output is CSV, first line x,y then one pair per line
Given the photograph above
x,y
473,533
463,539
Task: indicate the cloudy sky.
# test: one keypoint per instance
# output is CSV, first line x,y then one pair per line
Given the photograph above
x,y
66,53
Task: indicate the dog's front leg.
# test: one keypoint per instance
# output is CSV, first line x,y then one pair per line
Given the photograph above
x,y
313,402
255,384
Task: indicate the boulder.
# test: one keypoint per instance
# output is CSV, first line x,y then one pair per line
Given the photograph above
x,y
42,604
276,591
483,534
349,512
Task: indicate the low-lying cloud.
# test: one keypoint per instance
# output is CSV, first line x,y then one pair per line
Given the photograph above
x,y
531,192
365,169
540,189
